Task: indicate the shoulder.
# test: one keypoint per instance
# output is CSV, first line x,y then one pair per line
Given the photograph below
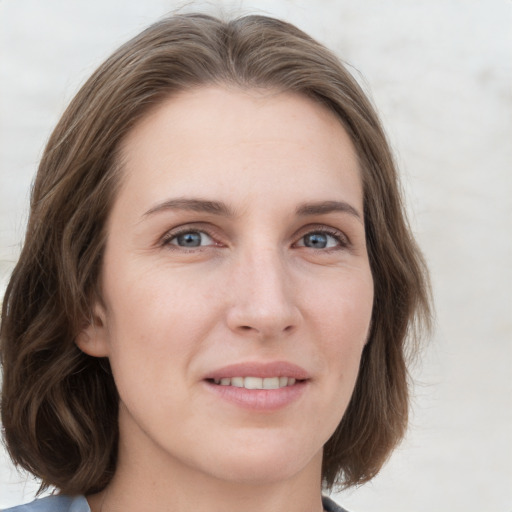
x,y
79,504
331,506
59,503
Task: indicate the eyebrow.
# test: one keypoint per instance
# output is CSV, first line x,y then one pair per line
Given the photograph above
x,y
324,207
222,209
195,205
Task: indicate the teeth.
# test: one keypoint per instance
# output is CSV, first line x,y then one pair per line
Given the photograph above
x,y
256,382
271,383
238,382
253,383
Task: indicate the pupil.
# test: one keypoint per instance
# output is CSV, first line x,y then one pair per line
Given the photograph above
x,y
316,240
190,240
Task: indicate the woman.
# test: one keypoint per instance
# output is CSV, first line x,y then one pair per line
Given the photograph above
x,y
212,304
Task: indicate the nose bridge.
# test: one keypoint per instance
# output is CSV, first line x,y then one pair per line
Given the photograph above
x,y
262,297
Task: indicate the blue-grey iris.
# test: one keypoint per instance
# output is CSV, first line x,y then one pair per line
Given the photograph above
x,y
191,239
316,240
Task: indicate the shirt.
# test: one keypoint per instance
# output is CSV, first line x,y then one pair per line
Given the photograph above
x,y
63,503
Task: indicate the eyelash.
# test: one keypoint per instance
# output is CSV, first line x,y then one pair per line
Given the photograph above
x,y
174,234
340,237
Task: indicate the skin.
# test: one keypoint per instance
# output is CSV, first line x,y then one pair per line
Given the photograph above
x,y
254,290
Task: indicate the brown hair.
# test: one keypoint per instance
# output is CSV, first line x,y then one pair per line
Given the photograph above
x,y
59,406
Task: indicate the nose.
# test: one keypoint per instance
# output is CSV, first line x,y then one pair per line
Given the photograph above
x,y
262,297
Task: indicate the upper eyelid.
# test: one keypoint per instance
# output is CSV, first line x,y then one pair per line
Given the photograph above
x,y
197,227
322,228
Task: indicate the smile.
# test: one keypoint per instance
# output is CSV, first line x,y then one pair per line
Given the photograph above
x,y
256,382
260,386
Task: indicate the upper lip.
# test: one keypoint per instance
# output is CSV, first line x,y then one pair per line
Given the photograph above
x,y
260,369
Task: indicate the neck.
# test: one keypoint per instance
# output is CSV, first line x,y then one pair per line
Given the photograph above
x,y
142,487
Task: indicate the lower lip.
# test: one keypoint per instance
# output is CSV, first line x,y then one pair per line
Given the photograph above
x,y
259,399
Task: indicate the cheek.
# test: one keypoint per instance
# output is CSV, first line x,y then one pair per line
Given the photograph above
x,y
346,307
157,320
342,319
151,297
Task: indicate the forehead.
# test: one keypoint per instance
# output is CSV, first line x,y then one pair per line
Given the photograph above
x,y
211,140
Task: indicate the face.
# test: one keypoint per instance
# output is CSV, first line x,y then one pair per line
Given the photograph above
x,y
236,285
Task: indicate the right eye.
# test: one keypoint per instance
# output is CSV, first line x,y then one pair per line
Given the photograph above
x,y
190,239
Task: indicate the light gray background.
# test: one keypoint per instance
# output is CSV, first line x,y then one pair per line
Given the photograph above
x,y
440,72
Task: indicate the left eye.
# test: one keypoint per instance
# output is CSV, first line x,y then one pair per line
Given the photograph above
x,y
319,240
191,239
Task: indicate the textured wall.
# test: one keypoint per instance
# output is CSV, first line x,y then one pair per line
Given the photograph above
x,y
440,73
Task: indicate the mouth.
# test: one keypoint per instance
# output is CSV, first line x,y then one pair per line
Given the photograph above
x,y
259,386
256,382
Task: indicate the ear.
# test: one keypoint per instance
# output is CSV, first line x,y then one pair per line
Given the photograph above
x,y
94,337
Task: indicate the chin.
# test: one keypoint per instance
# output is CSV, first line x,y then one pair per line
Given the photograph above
x,y
267,466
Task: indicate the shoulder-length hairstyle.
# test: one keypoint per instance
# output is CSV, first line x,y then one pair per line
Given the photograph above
x,y
59,406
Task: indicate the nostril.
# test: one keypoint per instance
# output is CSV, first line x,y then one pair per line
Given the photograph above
x,y
247,328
